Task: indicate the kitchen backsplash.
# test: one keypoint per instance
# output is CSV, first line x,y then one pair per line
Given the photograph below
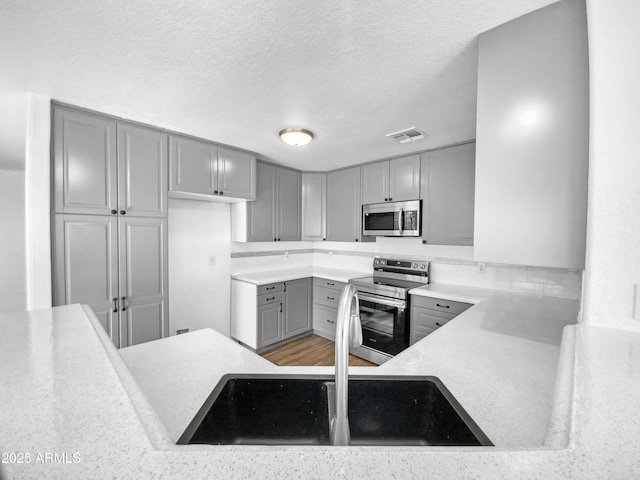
x,y
449,264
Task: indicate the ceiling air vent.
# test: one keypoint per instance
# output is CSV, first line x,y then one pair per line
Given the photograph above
x,y
408,135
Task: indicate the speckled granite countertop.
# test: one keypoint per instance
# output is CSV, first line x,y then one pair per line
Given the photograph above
x,y
65,389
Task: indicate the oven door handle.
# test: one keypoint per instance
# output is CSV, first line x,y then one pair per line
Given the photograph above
x,y
382,301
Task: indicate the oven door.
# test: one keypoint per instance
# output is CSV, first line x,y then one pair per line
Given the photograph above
x,y
384,323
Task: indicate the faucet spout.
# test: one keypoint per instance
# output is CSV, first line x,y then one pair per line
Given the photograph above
x,y
348,331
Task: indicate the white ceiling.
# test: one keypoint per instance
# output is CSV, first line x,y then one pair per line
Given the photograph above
x,y
238,71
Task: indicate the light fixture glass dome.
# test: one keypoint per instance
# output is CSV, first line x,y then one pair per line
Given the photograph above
x,y
296,136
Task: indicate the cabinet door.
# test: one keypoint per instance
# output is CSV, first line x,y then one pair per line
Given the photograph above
x,y
86,266
193,165
288,211
343,205
324,319
314,206
448,195
269,324
84,163
262,211
143,279
375,182
143,170
236,174
404,178
297,307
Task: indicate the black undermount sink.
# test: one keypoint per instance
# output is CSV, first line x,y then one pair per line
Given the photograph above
x,y
295,410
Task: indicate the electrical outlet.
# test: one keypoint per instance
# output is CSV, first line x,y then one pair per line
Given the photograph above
x,y
636,301
182,330
212,260
286,254
482,267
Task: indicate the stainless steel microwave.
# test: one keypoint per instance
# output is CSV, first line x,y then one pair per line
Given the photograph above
x,y
392,219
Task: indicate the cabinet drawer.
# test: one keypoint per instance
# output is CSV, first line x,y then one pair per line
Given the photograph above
x,y
333,284
419,335
326,296
423,319
268,298
271,288
439,304
324,318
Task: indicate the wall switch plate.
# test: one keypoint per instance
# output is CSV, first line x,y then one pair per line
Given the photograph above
x,y
182,330
482,267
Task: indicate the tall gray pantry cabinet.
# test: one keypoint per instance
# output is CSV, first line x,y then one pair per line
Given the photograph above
x,y
110,183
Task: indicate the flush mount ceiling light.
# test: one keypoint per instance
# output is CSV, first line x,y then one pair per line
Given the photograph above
x,y
296,136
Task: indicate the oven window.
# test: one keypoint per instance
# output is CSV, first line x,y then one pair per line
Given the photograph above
x,y
377,317
379,221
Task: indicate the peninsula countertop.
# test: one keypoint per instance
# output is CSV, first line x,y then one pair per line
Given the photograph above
x,y
65,389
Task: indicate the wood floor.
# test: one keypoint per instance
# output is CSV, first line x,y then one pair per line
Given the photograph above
x,y
311,350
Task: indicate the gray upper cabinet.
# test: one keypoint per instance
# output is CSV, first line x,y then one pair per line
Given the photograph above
x,y
288,204
375,182
193,166
448,193
297,318
275,213
84,163
343,205
236,174
394,180
202,170
142,167
104,167
314,206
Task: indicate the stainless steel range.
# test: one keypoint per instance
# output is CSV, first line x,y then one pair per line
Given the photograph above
x,y
384,306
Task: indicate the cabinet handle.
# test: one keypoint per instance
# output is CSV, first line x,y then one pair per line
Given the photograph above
x,y
442,306
221,192
215,192
324,239
272,298
123,212
280,307
275,239
331,321
390,199
113,212
330,284
438,324
124,303
114,302
386,199
284,287
373,341
356,239
270,288
331,298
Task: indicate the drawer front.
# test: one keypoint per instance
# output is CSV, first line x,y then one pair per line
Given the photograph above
x,y
268,298
324,318
425,320
440,305
332,284
326,296
416,335
271,288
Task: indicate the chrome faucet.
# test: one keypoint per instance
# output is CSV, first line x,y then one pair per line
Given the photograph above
x,y
348,330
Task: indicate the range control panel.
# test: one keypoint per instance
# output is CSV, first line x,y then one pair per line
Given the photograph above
x,y
414,267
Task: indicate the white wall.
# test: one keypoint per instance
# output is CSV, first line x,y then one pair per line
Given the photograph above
x,y
613,226
12,242
199,293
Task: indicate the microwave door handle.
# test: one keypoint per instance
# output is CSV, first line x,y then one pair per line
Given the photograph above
x,y
401,222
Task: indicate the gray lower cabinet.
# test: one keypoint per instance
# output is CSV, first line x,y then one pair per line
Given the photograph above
x,y
275,214
206,171
102,166
344,207
448,195
118,266
326,295
268,314
428,314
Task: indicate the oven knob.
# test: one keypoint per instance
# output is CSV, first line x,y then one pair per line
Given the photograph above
x,y
422,265
377,262
415,265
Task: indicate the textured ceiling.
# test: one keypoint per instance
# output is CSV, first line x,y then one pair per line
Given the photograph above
x,y
238,71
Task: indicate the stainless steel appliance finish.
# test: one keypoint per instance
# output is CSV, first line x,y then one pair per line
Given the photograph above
x,y
392,219
384,306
